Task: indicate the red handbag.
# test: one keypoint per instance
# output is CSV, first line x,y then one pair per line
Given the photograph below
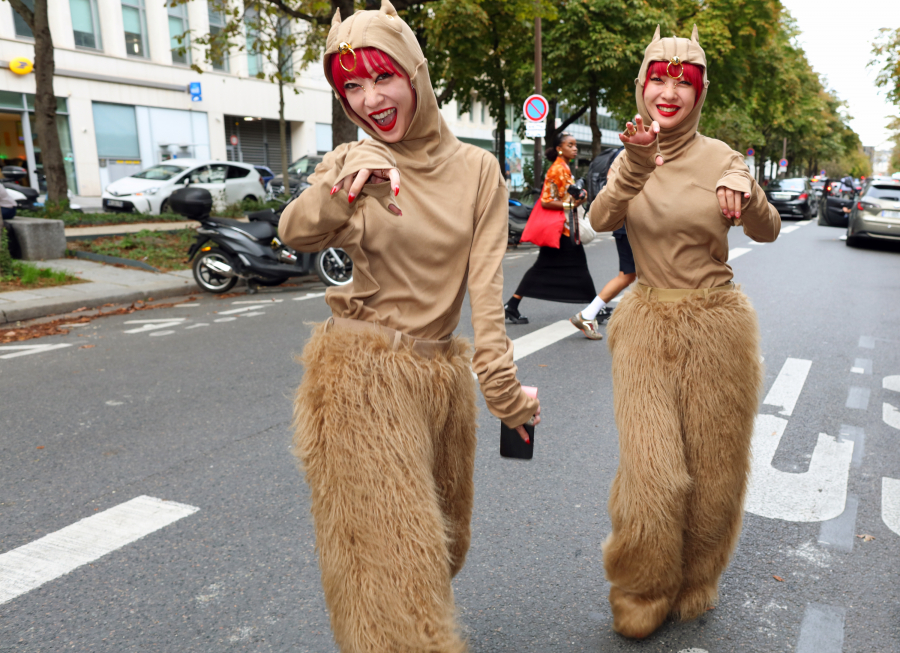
x,y
544,226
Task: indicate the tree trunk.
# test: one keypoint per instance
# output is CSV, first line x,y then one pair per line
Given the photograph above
x,y
761,166
596,135
282,134
550,129
343,130
45,106
501,134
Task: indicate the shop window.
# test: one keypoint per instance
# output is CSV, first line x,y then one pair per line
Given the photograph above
x,y
116,129
11,101
216,25
134,19
22,28
178,28
85,24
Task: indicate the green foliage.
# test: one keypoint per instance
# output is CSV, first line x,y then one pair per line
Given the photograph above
x,y
165,250
6,259
28,274
886,53
78,219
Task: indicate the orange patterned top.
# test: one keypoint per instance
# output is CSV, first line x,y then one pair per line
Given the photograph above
x,y
558,179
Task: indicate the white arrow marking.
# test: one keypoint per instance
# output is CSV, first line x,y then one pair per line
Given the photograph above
x,y
32,565
890,503
27,350
152,325
818,494
786,389
737,251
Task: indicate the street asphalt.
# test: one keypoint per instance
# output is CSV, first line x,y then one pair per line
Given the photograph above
x,y
194,407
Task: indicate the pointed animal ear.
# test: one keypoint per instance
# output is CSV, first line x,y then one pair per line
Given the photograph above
x,y
655,35
695,35
336,19
388,8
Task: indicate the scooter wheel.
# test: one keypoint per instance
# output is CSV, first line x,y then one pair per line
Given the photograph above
x,y
334,267
205,275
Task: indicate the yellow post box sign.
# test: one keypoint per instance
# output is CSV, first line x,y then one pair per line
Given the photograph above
x,y
21,65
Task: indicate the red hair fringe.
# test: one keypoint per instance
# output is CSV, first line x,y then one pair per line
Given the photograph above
x,y
692,73
367,59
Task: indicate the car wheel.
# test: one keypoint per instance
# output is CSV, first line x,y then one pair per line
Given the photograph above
x,y
852,241
211,271
334,267
164,207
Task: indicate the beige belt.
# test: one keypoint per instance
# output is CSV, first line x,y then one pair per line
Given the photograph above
x,y
424,348
677,294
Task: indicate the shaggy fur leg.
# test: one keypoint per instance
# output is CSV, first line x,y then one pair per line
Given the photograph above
x,y
723,368
642,555
367,419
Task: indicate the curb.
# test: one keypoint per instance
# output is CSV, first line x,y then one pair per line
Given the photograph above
x,y
115,260
18,314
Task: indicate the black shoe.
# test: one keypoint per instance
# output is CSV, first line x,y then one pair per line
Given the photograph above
x,y
514,317
604,314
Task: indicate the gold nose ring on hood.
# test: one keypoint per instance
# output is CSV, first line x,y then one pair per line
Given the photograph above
x,y
346,48
675,61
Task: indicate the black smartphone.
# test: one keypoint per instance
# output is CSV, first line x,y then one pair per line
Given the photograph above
x,y
513,446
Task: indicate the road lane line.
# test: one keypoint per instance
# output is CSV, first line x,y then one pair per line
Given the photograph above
x,y
196,326
890,503
30,566
891,383
817,494
242,309
867,342
27,350
858,398
737,251
165,319
309,296
889,413
541,338
787,230
840,533
258,301
822,629
858,436
788,385
864,364
152,326
186,305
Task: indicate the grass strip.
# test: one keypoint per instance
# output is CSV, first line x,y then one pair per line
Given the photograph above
x,y
164,250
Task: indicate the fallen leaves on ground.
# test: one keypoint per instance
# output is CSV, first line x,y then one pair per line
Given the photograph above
x,y
62,326
778,578
866,537
87,346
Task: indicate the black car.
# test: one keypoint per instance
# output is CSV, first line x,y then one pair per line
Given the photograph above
x,y
834,208
793,198
298,172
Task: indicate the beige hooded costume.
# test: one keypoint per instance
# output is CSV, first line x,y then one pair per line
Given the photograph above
x,y
686,366
385,429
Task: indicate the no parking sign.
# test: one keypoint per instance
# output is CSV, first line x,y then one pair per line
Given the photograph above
x,y
535,110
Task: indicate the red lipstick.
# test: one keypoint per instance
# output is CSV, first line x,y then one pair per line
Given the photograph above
x,y
391,120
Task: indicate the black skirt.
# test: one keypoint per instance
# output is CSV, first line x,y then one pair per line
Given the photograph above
x,y
559,275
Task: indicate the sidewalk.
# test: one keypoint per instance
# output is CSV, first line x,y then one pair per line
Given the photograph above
x,y
106,284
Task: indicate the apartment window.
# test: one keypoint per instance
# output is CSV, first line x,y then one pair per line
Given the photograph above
x,y
85,24
254,58
22,28
216,25
135,20
287,52
482,113
178,26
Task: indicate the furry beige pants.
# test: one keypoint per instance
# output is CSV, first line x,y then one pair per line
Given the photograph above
x,y
387,441
686,380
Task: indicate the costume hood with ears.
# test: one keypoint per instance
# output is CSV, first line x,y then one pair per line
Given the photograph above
x,y
673,141
428,139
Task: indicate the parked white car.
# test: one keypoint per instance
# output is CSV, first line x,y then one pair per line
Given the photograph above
x,y
148,191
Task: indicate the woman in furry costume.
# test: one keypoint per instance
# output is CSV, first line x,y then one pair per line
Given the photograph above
x,y
385,415
685,348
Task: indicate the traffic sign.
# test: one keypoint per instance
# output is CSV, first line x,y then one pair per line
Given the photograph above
x,y
21,65
194,89
234,140
535,129
822,172
783,163
536,108
750,151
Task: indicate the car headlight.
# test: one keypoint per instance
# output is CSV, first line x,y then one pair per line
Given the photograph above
x,y
149,191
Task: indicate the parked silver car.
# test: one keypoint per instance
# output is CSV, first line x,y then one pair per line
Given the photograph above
x,y
876,212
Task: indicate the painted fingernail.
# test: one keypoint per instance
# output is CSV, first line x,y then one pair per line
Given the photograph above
x,y
396,191
527,441
334,190
351,197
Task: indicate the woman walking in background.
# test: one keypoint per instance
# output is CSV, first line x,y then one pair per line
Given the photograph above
x,y
560,273
685,348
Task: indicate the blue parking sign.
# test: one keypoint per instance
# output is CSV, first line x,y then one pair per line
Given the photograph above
x,y
196,95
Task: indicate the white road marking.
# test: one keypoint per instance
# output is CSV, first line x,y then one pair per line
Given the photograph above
x,y
259,301
513,258
162,333
309,296
27,350
803,223
857,370
166,319
822,629
187,305
817,494
737,251
786,389
844,237
542,338
693,650
891,383
31,565
890,503
889,413
153,325
868,342
113,402
242,309
254,313
858,398
194,326
225,319
787,230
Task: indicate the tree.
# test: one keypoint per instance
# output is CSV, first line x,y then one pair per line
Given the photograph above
x,y
45,99
886,53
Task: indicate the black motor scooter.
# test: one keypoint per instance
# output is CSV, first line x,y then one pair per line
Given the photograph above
x,y
518,217
227,250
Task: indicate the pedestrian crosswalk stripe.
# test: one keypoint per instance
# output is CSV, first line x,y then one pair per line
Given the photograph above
x,y
31,565
541,338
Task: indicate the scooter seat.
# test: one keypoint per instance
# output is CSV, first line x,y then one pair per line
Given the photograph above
x,y
259,230
266,215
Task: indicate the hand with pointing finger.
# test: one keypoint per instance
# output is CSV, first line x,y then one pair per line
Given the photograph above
x,y
730,201
354,184
638,134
